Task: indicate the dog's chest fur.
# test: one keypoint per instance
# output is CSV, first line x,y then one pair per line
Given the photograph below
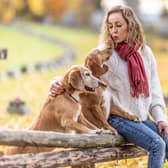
x,y
106,93
76,115
107,100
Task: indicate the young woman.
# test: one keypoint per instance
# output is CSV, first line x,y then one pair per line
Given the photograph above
x,y
134,84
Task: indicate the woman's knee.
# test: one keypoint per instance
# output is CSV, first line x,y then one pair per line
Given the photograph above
x,y
158,146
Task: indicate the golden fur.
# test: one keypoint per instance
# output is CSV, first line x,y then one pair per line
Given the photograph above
x,y
92,105
62,113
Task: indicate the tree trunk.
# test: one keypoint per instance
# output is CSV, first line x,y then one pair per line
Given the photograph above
x,y
73,157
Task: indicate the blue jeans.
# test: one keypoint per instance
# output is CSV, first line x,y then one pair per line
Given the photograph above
x,y
144,134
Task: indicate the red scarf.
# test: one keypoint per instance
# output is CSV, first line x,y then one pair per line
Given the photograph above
x,y
136,70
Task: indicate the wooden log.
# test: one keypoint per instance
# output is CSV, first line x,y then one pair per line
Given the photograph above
x,y
53,139
74,157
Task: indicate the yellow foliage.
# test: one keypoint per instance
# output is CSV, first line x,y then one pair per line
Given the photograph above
x,y
37,7
18,4
73,5
56,8
8,15
7,11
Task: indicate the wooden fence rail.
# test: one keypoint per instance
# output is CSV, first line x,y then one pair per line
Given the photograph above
x,y
53,139
91,148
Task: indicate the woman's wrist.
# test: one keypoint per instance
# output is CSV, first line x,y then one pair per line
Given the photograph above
x,y
162,122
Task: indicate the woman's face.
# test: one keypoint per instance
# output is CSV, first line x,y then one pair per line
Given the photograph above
x,y
118,27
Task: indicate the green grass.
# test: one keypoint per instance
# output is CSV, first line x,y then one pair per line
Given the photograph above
x,y
81,40
24,49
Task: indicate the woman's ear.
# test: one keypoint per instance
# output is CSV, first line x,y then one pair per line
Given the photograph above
x,y
75,79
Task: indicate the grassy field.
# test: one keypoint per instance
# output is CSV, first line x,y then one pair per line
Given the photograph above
x,y
25,50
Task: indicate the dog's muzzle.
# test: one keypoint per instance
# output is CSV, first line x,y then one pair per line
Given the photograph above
x,y
89,89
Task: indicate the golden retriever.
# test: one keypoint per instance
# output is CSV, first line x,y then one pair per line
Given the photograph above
x,y
97,108
63,112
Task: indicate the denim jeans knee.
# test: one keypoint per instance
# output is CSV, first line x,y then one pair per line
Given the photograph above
x,y
141,135
157,150
158,146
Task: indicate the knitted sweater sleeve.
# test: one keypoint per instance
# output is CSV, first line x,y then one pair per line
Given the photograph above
x,y
157,106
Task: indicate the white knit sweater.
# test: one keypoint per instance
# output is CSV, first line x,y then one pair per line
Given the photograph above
x,y
118,80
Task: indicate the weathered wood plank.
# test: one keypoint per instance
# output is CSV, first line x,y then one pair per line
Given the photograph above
x,y
53,139
67,158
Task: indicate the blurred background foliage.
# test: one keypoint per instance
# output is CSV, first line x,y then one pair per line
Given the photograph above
x,y
28,29
50,10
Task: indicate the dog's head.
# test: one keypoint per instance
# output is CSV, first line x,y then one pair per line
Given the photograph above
x,y
80,78
95,61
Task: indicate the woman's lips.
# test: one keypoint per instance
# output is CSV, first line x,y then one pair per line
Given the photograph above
x,y
115,37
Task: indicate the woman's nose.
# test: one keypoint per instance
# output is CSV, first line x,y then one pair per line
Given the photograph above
x,y
115,30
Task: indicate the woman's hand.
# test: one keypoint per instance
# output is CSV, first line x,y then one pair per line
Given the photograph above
x,y
56,88
163,128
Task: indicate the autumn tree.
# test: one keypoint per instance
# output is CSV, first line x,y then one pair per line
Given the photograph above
x,y
55,9
37,8
7,11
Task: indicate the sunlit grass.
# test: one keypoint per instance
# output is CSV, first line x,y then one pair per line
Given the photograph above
x,y
83,41
24,49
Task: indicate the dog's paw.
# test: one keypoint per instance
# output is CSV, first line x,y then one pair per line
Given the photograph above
x,y
106,131
115,132
95,131
136,119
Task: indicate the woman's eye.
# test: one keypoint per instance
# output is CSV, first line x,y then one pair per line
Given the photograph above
x,y
119,25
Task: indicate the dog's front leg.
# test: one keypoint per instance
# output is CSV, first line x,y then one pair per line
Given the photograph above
x,y
87,123
115,110
71,125
101,117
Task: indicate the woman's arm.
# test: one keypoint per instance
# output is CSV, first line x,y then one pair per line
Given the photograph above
x,y
157,107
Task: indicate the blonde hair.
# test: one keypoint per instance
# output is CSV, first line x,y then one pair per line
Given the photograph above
x,y
135,30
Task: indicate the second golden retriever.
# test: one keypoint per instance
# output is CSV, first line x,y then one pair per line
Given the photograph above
x,y
97,108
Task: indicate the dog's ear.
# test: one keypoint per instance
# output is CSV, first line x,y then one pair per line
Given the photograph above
x,y
75,79
93,63
106,53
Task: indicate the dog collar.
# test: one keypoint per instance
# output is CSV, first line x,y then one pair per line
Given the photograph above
x,y
73,98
